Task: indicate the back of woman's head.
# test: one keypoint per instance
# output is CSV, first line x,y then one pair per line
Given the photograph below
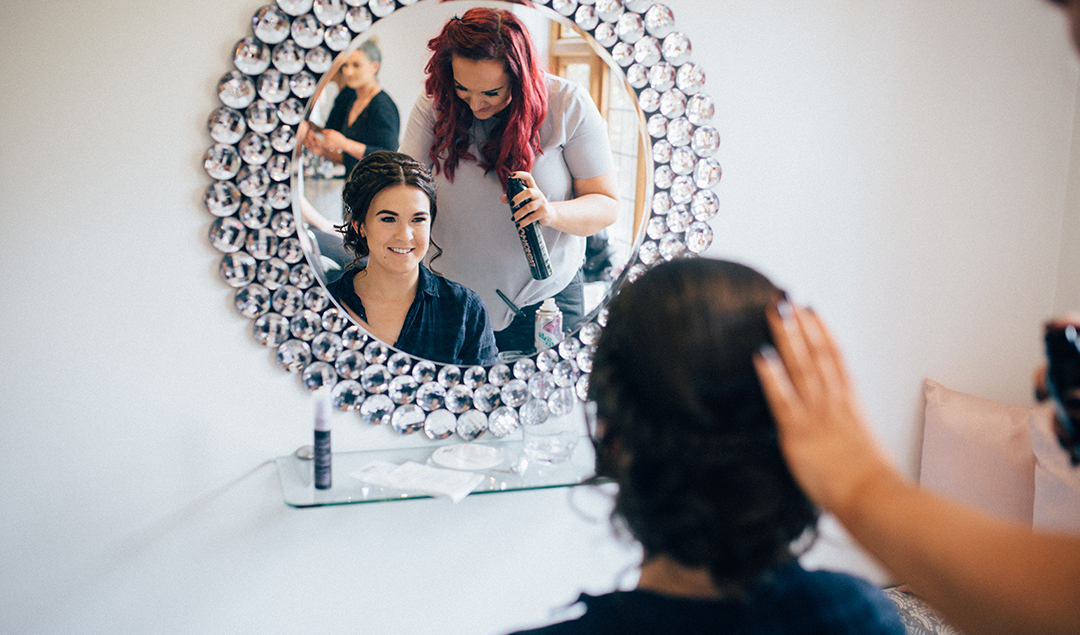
x,y
483,33
373,174
687,433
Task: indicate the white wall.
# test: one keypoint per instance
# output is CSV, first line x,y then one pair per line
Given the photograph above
x,y
902,166
1067,295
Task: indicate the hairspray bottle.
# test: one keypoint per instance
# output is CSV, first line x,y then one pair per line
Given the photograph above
x,y
548,332
536,253
322,443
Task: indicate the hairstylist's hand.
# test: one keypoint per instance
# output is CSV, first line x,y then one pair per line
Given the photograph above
x,y
312,139
334,140
1064,320
825,440
537,210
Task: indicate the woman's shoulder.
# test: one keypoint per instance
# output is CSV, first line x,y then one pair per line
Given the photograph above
x,y
569,102
448,290
836,596
383,107
424,102
621,611
384,97
340,110
342,287
794,576
423,109
345,95
562,89
343,283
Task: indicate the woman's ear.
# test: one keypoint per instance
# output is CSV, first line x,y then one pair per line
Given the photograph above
x,y
358,228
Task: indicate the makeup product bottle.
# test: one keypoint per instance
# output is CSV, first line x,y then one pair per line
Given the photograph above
x,y
548,332
536,253
322,443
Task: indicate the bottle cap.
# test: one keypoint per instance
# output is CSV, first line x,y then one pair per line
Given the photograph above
x,y
322,411
549,305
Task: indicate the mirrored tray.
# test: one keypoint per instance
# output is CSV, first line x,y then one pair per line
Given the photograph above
x,y
516,471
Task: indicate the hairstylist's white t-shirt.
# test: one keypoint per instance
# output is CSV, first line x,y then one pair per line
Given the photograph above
x,y
480,243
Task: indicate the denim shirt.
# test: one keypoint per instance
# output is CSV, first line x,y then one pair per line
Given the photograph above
x,y
446,323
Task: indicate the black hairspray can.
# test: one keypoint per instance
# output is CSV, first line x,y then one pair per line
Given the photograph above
x,y
536,253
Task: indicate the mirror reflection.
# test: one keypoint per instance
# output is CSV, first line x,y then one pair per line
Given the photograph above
x,y
390,211
475,129
363,117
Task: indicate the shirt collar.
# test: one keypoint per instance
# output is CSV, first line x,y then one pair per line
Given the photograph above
x,y
427,283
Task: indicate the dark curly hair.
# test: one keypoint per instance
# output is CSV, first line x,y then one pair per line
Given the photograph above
x,y
373,174
685,428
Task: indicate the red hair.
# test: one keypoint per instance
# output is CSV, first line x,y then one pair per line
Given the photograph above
x,y
486,34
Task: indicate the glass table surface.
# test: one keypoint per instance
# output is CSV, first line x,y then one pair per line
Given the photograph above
x,y
516,471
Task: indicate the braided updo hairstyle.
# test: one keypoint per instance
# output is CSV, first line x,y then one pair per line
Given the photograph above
x,y
373,174
685,428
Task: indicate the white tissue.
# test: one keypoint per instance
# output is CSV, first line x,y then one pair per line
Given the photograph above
x,y
424,479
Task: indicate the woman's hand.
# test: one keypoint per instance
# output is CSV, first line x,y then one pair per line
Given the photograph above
x,y
825,440
1062,321
337,144
312,139
595,205
334,140
985,575
537,210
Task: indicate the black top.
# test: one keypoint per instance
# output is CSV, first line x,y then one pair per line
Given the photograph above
x,y
791,600
446,323
377,126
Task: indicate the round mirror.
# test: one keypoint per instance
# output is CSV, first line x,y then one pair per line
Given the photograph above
x,y
660,134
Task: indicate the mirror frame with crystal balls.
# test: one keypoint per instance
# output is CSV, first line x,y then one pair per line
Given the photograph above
x,y
254,164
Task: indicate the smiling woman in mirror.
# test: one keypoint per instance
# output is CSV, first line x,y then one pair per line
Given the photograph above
x,y
389,211
490,112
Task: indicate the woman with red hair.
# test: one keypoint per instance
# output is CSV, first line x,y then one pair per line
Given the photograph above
x,y
491,112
